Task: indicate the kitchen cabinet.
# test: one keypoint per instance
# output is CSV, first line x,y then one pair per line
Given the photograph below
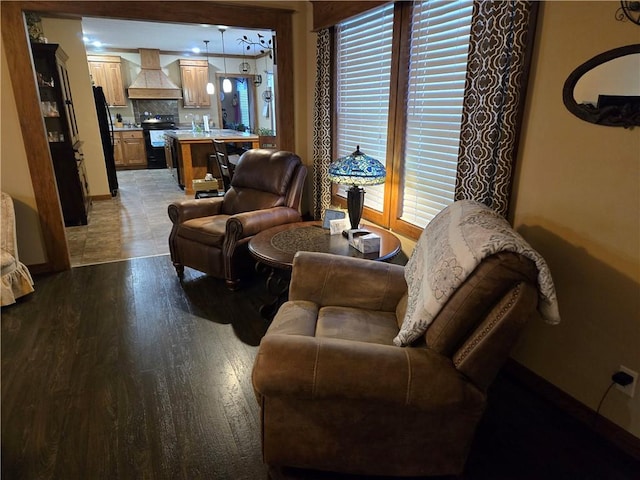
x,y
195,75
62,132
106,72
128,149
117,150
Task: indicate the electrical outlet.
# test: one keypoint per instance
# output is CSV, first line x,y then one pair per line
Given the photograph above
x,y
631,388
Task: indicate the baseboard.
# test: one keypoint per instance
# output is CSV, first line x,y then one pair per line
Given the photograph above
x,y
613,433
101,197
39,268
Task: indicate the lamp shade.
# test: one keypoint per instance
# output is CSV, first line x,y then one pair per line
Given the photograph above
x,y
357,169
210,88
226,86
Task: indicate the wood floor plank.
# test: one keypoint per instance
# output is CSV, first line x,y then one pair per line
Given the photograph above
x,y
102,446
134,453
120,371
162,432
71,461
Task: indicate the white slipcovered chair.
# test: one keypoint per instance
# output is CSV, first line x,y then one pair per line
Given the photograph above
x,y
16,279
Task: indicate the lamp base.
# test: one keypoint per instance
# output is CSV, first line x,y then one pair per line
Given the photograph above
x,y
355,203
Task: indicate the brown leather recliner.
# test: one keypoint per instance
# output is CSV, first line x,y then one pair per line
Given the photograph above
x,y
336,394
212,234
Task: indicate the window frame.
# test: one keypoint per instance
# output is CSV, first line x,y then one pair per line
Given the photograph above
x,y
379,218
397,124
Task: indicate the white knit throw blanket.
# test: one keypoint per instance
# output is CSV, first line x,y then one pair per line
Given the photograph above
x,y
449,249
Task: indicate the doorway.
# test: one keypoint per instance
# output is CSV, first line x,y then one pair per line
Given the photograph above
x,y
15,41
237,108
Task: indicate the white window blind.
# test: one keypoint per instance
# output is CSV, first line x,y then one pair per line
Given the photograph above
x,y
363,81
243,101
439,47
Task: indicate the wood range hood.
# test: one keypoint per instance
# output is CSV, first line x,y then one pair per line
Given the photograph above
x,y
152,83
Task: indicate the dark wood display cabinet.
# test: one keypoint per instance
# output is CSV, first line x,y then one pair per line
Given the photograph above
x,y
62,132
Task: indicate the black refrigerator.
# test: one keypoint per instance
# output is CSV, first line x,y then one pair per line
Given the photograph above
x,y
106,135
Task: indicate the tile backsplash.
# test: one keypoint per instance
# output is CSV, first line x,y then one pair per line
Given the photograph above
x,y
145,108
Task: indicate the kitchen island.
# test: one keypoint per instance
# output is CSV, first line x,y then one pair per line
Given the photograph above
x,y
188,152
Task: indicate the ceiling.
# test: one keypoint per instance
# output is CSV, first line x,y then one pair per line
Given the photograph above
x,y
130,34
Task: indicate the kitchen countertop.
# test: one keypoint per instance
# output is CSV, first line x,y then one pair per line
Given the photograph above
x,y
126,129
188,135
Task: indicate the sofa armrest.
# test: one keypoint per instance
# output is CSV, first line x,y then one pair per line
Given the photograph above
x,y
327,279
184,210
308,367
248,224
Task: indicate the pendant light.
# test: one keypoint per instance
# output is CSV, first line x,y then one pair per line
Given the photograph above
x,y
210,88
226,83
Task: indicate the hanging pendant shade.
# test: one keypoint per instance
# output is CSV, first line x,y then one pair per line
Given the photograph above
x,y
210,88
226,83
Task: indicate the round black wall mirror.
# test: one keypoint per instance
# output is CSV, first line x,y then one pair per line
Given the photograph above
x,y
605,90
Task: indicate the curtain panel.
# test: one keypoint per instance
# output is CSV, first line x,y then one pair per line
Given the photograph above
x,y
322,124
495,88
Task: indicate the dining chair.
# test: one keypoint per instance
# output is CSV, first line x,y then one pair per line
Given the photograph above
x,y
227,168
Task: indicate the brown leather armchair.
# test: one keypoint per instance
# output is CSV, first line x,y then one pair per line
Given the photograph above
x,y
212,234
338,395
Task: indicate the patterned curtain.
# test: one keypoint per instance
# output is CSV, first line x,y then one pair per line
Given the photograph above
x,y
322,125
494,98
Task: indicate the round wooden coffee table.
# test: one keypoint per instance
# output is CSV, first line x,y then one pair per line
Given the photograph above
x,y
276,247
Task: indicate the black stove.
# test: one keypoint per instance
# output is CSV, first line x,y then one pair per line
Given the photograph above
x,y
153,129
158,122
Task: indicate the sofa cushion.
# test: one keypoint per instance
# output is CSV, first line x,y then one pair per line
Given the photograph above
x,y
295,318
346,323
205,230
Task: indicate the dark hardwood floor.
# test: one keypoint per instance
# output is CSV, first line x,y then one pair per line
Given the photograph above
x,y
118,371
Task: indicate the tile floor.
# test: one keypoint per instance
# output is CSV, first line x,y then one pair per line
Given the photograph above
x,y
132,224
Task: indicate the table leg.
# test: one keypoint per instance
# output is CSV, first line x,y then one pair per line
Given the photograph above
x,y
278,286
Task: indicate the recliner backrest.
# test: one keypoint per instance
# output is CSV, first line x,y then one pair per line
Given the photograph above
x,y
493,278
482,319
264,179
